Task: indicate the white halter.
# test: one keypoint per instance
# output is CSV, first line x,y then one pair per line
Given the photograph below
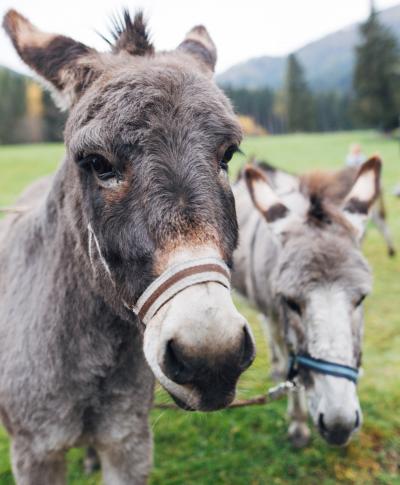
x,y
171,282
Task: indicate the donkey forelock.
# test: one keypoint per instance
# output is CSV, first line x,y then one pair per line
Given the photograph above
x,y
130,36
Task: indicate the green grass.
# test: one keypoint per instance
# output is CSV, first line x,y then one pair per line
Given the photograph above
x,y
249,445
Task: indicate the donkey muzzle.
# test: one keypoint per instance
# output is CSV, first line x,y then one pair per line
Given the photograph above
x,y
197,344
338,414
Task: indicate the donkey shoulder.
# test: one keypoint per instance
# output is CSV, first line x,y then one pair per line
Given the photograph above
x,y
29,199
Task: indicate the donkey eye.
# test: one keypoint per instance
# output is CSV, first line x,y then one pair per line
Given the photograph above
x,y
359,301
229,152
293,305
102,167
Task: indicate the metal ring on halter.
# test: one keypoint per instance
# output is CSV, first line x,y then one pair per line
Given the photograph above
x,y
171,282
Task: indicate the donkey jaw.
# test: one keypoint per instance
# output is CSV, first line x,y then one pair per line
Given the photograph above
x,y
197,345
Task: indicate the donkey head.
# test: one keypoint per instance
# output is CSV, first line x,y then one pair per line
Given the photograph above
x,y
320,281
148,138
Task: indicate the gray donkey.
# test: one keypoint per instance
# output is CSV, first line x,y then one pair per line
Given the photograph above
x,y
122,256
299,261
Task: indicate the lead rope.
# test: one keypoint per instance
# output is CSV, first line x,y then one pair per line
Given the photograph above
x,y
92,237
14,210
273,394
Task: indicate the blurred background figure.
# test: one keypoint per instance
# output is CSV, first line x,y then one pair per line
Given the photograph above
x,y
355,157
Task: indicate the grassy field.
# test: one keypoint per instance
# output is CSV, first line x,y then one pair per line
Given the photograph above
x,y
249,445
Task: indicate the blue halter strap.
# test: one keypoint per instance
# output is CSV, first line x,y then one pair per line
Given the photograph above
x,y
321,366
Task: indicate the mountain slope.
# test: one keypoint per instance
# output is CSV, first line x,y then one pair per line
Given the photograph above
x,y
328,62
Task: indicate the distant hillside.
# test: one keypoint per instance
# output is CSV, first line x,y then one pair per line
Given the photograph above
x,y
328,61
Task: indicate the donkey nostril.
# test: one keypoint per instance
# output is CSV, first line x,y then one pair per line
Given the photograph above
x,y
247,350
175,365
321,422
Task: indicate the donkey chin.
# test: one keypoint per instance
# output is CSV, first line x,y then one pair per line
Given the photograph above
x,y
334,408
197,345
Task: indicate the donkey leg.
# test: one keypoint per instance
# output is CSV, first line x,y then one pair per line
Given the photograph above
x,y
378,218
272,335
127,462
299,432
31,469
91,463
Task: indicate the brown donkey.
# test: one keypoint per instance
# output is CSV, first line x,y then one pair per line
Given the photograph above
x,y
123,256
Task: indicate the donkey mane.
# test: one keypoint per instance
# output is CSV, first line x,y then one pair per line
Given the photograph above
x,y
315,187
330,186
325,192
318,213
130,36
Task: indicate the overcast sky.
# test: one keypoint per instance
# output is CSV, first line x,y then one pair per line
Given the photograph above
x,y
240,29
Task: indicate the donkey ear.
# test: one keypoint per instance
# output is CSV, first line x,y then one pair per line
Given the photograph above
x,y
61,61
363,194
199,44
265,199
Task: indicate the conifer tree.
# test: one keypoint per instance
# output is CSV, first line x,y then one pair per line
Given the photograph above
x,y
376,79
298,98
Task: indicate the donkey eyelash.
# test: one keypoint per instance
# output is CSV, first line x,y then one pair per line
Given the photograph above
x,y
293,305
227,157
360,300
100,166
229,152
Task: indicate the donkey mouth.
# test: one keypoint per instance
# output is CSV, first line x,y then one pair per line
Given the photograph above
x,y
181,404
206,403
337,436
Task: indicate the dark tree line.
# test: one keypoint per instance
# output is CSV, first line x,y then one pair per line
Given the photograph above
x,y
16,123
258,103
326,111
12,105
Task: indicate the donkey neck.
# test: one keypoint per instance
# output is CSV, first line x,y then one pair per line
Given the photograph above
x,y
253,263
